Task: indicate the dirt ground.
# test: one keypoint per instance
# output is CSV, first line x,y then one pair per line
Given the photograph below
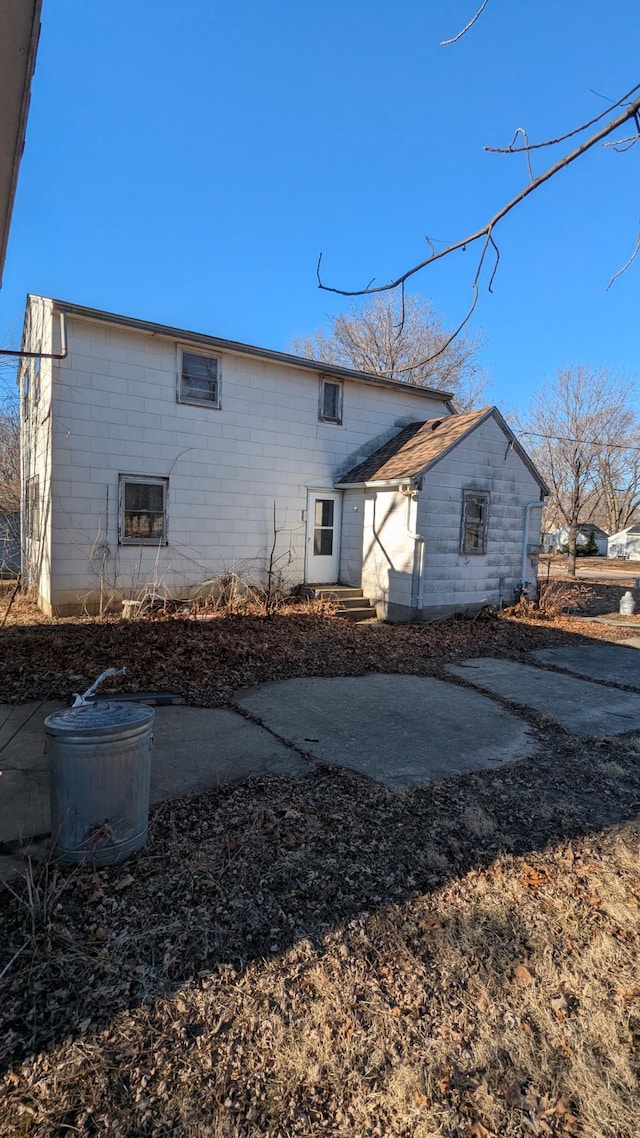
x,y
604,565
325,956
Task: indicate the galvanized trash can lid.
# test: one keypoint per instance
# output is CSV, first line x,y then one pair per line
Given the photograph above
x,y
98,719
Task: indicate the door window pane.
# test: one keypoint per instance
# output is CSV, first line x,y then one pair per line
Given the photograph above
x,y
323,516
322,542
324,512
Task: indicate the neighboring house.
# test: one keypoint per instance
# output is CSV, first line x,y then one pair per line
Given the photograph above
x,y
9,545
154,458
625,543
554,541
19,32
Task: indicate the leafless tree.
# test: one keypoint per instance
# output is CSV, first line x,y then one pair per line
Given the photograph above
x,y
616,127
618,489
578,430
400,338
9,442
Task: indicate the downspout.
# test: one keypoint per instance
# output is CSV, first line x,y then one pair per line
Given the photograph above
x,y
417,592
536,505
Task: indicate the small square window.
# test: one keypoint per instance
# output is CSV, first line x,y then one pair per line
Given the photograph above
x,y
143,510
199,378
330,410
475,509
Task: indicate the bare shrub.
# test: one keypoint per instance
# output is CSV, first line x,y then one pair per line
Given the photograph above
x,y
556,598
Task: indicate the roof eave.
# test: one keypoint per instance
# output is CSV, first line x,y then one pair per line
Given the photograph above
x,y
238,348
519,449
375,483
20,62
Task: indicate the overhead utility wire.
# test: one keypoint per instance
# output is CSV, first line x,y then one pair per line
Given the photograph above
x,y
580,442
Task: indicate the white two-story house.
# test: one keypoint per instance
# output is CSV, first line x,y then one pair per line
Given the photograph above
x,y
155,459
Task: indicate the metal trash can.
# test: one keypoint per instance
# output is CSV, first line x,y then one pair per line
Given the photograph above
x,y
99,772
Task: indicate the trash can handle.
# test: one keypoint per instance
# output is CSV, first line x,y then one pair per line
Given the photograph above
x,y
85,699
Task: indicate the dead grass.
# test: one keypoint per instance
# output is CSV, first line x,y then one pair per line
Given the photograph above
x,y
322,956
326,957
206,661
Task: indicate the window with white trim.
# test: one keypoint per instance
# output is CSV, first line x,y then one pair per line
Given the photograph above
x,y
143,510
330,407
475,513
26,379
198,378
33,508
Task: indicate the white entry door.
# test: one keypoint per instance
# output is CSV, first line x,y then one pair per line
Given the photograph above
x,y
323,537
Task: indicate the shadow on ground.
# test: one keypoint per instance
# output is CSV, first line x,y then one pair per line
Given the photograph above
x,y
246,871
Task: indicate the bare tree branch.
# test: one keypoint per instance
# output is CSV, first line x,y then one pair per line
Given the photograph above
x,y
511,149
626,265
454,39
486,231
621,145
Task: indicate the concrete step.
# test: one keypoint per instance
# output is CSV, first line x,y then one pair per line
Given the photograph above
x,y
357,614
337,592
350,602
353,605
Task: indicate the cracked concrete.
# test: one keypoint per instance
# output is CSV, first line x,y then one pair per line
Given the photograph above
x,y
580,706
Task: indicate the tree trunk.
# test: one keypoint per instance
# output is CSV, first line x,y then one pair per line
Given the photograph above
x,y
571,542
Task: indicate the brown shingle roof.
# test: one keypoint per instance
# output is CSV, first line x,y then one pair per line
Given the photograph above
x,y
414,448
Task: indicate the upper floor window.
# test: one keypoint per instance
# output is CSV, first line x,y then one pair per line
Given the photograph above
x,y
330,410
475,512
199,378
143,510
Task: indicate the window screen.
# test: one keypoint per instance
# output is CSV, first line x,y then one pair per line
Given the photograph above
x,y
474,522
199,379
331,402
143,511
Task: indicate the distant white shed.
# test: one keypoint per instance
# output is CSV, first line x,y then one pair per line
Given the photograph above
x,y
625,543
554,541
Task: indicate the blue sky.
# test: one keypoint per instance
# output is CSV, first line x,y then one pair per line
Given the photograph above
x,y
186,163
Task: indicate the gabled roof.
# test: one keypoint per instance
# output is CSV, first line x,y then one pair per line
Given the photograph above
x,y
591,527
236,347
420,445
632,529
583,527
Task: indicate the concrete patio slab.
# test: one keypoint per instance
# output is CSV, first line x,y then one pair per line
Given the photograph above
x,y
613,663
587,709
194,749
24,777
400,730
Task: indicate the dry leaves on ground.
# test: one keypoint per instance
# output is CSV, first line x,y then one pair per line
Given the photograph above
x,y
303,957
